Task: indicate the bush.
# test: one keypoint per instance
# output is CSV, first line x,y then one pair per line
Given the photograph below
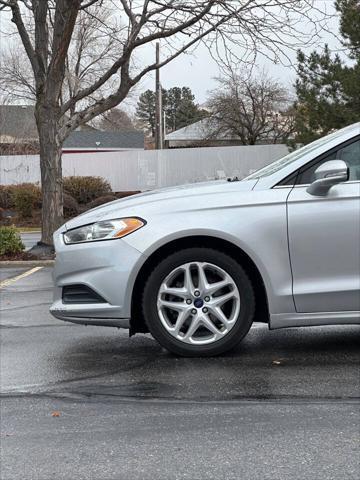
x,y
27,196
9,193
10,241
71,206
101,200
86,189
127,194
6,197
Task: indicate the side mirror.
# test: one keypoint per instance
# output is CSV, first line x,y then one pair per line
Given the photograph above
x,y
327,175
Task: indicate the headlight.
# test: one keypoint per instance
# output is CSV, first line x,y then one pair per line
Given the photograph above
x,y
105,230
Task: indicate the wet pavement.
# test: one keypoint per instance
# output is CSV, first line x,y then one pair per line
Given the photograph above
x,y
30,239
91,403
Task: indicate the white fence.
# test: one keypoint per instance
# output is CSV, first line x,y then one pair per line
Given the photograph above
x,y
149,169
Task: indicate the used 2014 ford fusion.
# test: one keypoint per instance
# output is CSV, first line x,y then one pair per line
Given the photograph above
x,y
196,265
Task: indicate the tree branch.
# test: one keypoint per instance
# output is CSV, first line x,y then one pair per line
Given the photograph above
x,y
64,22
129,12
95,86
40,9
179,52
173,31
17,19
90,3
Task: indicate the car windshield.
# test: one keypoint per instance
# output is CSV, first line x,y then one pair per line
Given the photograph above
x,y
292,157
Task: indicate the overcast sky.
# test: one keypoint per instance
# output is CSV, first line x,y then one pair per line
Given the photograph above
x,y
198,71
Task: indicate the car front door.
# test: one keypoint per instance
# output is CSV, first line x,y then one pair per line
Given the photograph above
x,y
324,239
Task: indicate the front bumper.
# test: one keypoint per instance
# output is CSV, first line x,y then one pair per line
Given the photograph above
x,y
107,267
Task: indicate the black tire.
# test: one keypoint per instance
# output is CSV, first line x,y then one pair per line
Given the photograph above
x,y
198,254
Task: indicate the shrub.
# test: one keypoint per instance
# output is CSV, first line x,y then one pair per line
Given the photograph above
x,y
22,193
6,197
10,241
71,206
101,200
127,194
86,189
27,196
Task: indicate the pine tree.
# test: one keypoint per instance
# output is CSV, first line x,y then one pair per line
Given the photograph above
x,y
328,90
188,112
178,104
145,111
349,25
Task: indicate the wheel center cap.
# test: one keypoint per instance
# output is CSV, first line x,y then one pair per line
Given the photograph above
x,y
198,303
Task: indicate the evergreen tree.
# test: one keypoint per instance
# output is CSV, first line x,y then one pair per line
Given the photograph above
x,y
171,107
349,25
178,104
145,111
328,90
188,112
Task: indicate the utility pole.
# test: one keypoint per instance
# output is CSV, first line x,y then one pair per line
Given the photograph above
x,y
158,111
164,127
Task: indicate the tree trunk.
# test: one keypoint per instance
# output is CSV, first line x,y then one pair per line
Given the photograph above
x,y
51,172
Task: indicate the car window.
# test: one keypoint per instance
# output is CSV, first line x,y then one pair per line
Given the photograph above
x,y
350,154
293,156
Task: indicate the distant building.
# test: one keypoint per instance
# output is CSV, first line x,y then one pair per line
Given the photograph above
x,y
18,135
198,134
204,133
97,141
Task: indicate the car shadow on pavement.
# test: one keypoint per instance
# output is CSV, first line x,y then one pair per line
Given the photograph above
x,y
303,362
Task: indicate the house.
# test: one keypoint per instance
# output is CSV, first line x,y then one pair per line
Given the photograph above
x,y
199,134
206,133
18,135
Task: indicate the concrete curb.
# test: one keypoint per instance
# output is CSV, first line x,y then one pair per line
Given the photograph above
x,y
26,263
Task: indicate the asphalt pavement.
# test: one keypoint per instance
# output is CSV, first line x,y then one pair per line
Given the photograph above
x,y
30,239
91,403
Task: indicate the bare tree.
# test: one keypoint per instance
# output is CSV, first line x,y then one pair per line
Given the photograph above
x,y
252,109
92,50
16,79
115,120
48,32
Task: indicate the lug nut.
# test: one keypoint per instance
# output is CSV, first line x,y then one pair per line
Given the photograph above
x,y
207,299
197,293
188,301
205,310
194,311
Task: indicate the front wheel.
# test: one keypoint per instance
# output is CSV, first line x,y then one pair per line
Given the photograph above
x,y
198,302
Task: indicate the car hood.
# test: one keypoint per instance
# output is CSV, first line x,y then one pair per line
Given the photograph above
x,y
164,200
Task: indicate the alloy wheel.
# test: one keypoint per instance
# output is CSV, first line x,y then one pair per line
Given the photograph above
x,y
198,303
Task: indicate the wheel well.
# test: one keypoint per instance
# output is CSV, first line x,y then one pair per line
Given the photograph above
x,y
137,323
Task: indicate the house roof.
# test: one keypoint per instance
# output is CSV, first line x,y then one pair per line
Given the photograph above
x,y
195,131
18,121
201,130
205,129
98,139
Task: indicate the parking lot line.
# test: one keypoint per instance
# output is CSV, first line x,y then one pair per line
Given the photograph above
x,y
10,281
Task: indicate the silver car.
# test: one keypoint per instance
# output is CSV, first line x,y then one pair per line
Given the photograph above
x,y
196,265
